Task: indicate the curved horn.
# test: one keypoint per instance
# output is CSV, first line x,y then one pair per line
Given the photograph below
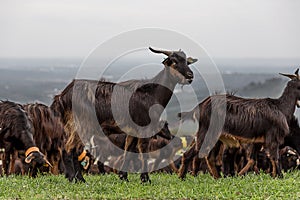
x,y
292,76
47,162
167,53
291,152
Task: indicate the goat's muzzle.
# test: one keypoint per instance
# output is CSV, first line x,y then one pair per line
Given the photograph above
x,y
298,103
189,77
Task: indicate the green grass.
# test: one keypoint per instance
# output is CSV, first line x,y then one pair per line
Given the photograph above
x,y
163,186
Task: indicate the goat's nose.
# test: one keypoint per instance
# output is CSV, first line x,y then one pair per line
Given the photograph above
x,y
190,74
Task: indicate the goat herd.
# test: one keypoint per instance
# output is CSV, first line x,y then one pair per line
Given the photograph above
x,y
235,135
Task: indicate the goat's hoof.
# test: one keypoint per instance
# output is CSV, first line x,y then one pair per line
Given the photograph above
x,y
145,178
123,176
182,176
145,181
77,180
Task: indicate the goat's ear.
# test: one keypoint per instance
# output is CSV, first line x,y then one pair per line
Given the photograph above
x,y
191,60
29,158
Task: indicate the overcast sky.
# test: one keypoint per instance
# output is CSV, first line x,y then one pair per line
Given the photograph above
x,y
231,28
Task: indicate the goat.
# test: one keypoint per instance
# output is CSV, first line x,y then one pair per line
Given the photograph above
x,y
75,157
17,134
118,138
253,155
49,134
245,121
112,101
290,158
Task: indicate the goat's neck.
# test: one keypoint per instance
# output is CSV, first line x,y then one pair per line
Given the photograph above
x,y
287,103
165,87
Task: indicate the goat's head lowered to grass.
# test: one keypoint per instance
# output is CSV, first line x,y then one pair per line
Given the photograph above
x,y
294,85
177,63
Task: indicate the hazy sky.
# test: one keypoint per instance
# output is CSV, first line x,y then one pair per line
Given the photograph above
x,y
231,28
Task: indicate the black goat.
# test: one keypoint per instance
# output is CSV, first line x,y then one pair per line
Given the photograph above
x,y
126,104
238,120
16,134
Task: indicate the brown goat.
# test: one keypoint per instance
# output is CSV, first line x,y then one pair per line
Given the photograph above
x,y
17,134
49,134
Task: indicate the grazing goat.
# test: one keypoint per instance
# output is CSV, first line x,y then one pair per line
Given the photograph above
x,y
132,105
290,158
17,134
75,157
264,121
49,133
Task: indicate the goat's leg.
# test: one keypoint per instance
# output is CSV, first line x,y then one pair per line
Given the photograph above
x,y
250,156
69,171
54,160
228,161
55,169
12,163
196,166
6,163
245,169
275,162
77,168
160,155
173,167
211,160
156,163
171,161
186,159
273,148
122,174
143,144
136,163
100,166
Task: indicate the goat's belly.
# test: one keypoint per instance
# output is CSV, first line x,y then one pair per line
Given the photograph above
x,y
236,141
